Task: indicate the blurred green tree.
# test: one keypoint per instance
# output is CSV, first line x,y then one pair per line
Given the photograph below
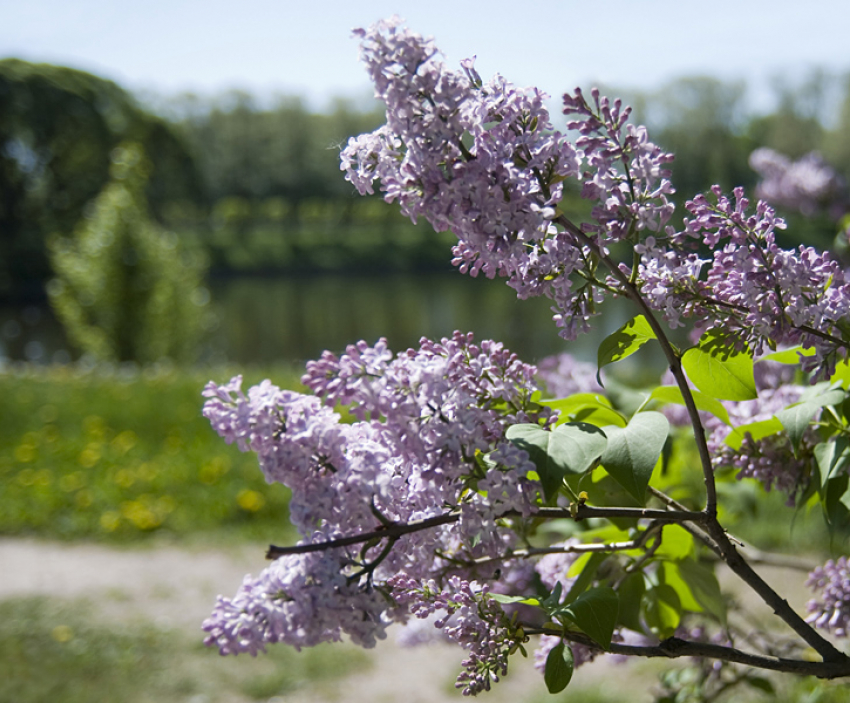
x,y
58,127
125,289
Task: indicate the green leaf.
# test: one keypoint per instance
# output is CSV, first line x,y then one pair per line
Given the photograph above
x,y
833,459
663,611
559,668
586,407
576,446
842,374
676,543
762,684
590,562
718,370
624,342
500,598
704,587
633,451
631,592
834,501
757,430
669,574
535,440
595,612
796,419
672,394
789,356
571,448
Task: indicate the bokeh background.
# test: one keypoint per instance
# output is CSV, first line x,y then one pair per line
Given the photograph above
x,y
172,210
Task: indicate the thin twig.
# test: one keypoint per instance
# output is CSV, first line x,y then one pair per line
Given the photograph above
x,y
398,529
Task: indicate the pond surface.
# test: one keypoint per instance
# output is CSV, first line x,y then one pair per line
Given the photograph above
x,y
295,318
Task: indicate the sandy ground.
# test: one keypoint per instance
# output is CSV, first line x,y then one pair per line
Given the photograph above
x,y
176,588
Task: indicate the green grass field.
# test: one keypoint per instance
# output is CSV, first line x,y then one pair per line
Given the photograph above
x,y
60,651
119,457
127,458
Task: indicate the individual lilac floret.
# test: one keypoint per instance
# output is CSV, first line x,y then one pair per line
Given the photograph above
x,y
807,185
832,610
469,618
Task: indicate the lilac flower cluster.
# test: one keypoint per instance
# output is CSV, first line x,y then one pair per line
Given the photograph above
x,y
470,618
806,185
459,153
753,290
770,460
563,375
425,419
627,175
832,610
485,161
300,600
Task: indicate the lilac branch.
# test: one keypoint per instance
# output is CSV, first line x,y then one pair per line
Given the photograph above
x,y
673,361
398,529
674,647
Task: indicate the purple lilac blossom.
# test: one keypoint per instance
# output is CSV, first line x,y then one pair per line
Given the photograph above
x,y
468,617
424,417
485,161
629,200
563,375
301,600
831,611
770,460
806,185
754,291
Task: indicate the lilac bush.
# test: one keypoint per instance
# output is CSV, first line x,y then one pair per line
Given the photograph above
x,y
440,487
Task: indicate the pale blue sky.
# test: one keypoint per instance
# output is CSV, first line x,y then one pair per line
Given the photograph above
x,y
304,47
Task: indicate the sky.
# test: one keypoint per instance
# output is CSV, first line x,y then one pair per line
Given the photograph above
x,y
304,47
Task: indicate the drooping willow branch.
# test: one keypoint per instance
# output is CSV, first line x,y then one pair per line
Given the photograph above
x,y
398,529
674,647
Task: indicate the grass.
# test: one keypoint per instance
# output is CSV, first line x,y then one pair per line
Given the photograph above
x,y
58,651
119,456
122,456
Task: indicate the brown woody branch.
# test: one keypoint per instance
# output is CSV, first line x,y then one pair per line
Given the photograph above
x,y
398,529
674,647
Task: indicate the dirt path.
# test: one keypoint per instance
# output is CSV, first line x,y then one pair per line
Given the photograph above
x,y
176,588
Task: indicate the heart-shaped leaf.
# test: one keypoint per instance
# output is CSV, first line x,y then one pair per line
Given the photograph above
x,y
632,451
718,370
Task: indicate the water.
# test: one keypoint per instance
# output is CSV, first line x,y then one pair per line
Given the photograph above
x,y
295,318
